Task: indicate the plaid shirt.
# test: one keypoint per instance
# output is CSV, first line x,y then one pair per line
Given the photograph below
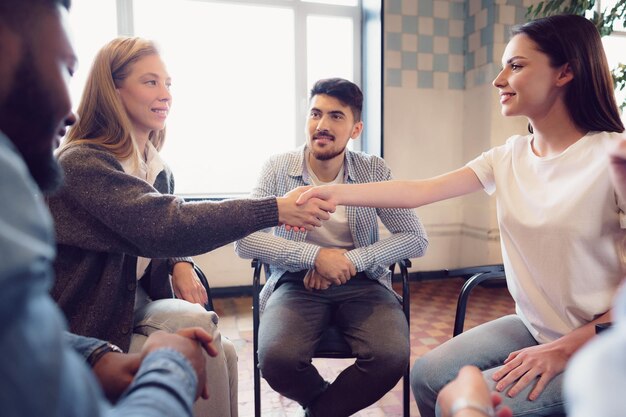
x,y
288,251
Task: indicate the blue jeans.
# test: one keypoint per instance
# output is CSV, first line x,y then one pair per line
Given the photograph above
x,y
485,346
373,324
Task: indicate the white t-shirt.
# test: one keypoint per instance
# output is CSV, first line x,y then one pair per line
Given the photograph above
x,y
334,232
559,219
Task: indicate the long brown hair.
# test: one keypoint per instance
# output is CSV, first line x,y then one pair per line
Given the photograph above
x,y
102,118
574,40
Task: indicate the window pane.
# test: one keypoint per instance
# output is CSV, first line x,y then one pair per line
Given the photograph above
x,y
615,48
232,68
93,24
330,48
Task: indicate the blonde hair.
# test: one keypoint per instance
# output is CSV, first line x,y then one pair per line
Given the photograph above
x,y
102,118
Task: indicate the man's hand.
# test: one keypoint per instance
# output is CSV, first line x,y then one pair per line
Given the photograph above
x,y
115,371
334,265
524,366
302,217
313,280
471,386
187,285
190,342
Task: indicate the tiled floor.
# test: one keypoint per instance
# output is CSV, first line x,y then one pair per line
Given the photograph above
x,y
433,305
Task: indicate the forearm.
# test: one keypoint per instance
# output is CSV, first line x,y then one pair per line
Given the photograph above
x,y
573,341
83,345
97,192
406,193
277,251
387,251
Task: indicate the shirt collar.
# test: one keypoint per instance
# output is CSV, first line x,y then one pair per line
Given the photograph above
x,y
299,169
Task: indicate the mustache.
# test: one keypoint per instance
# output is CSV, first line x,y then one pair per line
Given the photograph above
x,y
323,133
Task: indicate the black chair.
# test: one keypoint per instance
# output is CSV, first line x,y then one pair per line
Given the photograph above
x,y
332,343
209,305
477,275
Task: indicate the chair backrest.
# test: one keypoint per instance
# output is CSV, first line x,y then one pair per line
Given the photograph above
x,y
209,305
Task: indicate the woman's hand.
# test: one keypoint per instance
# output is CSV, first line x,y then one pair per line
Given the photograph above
x,y
187,285
524,366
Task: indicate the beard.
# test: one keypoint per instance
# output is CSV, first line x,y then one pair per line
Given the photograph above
x,y
27,117
327,153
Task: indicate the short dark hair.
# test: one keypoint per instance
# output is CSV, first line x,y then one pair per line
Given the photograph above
x,y
574,40
348,93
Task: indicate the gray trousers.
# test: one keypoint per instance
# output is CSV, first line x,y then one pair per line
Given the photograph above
x,y
373,324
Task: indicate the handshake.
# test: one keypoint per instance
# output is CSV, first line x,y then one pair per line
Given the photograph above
x,y
304,208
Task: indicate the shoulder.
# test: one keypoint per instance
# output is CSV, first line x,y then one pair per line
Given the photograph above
x,y
295,154
364,167
91,156
514,145
605,139
286,161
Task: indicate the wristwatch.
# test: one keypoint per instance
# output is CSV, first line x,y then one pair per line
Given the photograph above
x,y
463,403
97,354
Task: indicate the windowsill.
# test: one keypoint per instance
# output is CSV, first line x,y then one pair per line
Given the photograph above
x,y
211,197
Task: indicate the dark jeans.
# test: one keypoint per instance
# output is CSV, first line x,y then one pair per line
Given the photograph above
x,y
373,324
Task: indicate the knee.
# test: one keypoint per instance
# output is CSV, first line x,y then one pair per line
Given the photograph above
x,y
427,378
274,362
391,362
196,318
229,350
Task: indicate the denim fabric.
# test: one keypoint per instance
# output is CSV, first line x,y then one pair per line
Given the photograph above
x,y
485,346
41,374
82,345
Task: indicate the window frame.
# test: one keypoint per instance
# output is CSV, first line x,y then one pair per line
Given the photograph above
x,y
367,72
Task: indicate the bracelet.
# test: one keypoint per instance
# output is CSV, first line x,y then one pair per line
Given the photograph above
x,y
97,354
463,403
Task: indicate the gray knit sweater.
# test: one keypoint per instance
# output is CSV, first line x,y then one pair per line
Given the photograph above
x,y
105,218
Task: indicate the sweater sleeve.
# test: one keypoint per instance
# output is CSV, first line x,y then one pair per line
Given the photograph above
x,y
102,208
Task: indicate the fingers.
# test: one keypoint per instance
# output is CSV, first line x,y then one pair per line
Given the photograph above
x,y
304,197
205,391
325,206
201,336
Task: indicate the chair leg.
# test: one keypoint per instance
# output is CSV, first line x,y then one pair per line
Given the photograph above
x,y
406,393
255,342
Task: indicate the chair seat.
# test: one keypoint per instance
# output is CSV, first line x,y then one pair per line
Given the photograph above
x,y
333,345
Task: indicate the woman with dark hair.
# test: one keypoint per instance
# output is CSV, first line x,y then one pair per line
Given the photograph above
x,y
558,215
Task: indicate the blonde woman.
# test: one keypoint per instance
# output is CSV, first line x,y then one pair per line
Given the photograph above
x,y
119,228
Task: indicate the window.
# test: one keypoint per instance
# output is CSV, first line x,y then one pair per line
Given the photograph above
x,y
615,44
240,71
